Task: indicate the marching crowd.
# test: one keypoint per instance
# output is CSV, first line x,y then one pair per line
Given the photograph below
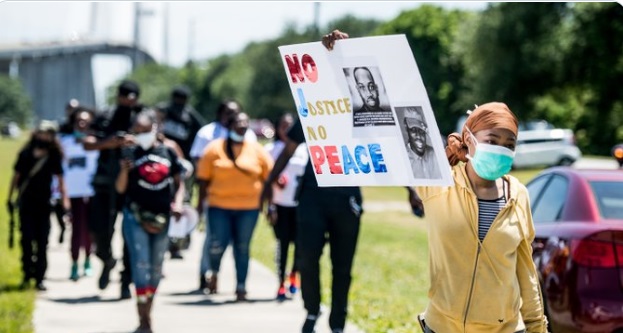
x,y
144,162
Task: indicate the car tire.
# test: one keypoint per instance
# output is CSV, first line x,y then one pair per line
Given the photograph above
x,y
566,161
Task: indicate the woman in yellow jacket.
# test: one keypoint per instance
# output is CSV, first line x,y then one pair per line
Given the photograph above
x,y
482,275
483,279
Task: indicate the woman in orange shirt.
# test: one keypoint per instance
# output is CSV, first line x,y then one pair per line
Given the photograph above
x,y
231,173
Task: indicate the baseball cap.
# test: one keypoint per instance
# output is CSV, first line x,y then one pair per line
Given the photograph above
x,y
181,92
47,126
129,89
414,118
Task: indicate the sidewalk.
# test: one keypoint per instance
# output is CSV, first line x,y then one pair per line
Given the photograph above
x,y
80,307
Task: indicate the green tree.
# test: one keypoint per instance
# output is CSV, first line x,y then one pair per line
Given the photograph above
x,y
15,104
157,81
431,32
514,54
256,77
594,62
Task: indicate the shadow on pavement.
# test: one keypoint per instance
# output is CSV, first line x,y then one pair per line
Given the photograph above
x,y
187,293
209,302
84,300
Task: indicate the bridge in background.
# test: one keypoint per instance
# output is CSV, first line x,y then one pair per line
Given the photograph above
x,y
54,73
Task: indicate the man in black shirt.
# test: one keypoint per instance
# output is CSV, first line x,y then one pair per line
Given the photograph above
x,y
37,164
180,122
335,211
110,134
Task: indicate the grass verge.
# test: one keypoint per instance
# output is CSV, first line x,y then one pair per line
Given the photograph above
x,y
16,306
390,275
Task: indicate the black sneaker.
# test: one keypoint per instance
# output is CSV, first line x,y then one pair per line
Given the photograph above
x,y
176,255
310,324
105,277
203,283
125,291
41,287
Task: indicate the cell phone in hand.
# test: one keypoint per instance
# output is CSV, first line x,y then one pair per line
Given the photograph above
x,y
127,153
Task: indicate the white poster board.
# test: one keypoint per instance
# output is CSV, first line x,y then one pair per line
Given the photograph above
x,y
365,113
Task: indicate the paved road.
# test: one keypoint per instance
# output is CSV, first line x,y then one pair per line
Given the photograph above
x,y
79,307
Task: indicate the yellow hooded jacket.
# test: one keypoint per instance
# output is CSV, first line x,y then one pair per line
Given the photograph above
x,y
490,286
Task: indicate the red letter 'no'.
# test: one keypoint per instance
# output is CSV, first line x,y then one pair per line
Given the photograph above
x,y
296,74
308,69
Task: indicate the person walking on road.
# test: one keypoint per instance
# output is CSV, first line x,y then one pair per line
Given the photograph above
x,y
230,173
217,129
150,178
482,275
37,164
282,214
180,122
79,166
110,133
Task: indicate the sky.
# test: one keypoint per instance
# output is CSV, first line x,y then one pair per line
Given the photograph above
x,y
196,30
219,27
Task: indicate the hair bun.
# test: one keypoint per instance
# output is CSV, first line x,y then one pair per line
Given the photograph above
x,y
456,150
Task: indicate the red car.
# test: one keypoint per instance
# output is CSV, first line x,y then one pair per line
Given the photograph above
x,y
578,250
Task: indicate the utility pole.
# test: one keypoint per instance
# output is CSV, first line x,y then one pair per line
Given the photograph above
x,y
317,20
191,39
165,34
137,23
93,23
138,14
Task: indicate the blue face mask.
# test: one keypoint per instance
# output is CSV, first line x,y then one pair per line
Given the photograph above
x,y
490,161
235,137
79,135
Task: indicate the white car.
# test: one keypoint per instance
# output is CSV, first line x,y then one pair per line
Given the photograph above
x,y
540,144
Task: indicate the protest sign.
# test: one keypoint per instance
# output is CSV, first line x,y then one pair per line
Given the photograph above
x,y
365,113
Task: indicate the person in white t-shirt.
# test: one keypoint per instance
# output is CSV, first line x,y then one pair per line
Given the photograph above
x,y
282,214
217,129
79,167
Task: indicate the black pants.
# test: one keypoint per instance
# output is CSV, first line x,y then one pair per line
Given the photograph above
x,y
35,230
285,232
103,213
327,214
59,211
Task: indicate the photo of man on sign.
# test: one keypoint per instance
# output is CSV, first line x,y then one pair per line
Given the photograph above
x,y
415,132
370,106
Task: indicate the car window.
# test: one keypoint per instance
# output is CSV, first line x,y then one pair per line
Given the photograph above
x,y
535,187
609,196
552,200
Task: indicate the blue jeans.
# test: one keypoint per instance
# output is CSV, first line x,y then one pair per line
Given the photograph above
x,y
146,254
204,265
227,225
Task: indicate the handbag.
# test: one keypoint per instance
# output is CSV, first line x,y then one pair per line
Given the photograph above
x,y
153,223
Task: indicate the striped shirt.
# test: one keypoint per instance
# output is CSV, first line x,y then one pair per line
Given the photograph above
x,y
487,212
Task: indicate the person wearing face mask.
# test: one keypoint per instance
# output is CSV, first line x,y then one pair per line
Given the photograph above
x,y
79,166
150,178
57,205
208,133
282,213
37,164
231,172
109,133
482,275
180,122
